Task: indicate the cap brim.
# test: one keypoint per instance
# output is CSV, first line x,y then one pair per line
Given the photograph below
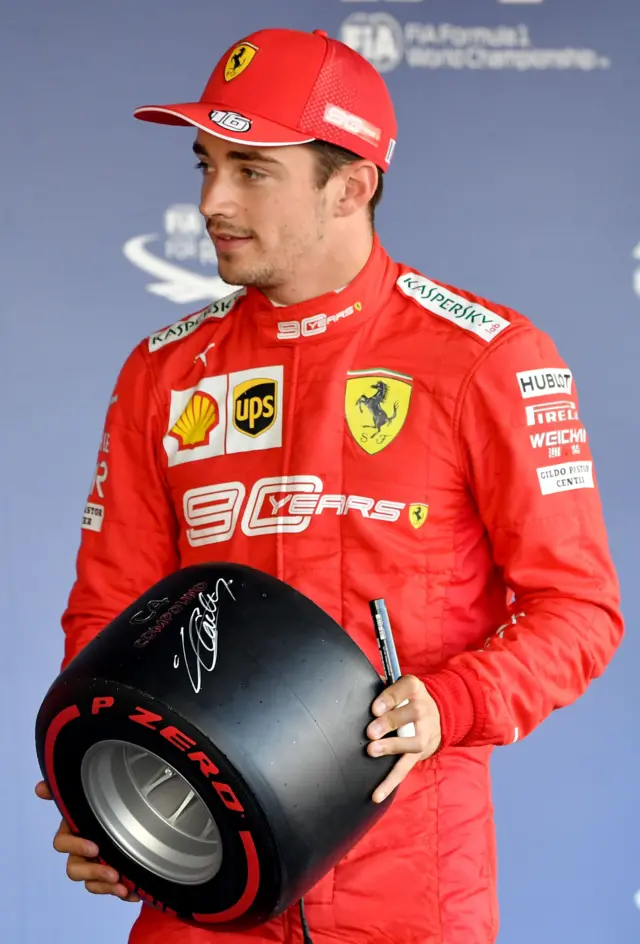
x,y
262,133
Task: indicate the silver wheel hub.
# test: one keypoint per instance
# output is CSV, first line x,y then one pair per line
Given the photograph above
x,y
151,812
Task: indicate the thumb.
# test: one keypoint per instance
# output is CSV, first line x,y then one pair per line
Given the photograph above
x,y
42,791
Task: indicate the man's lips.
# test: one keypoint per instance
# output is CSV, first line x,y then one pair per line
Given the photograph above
x,y
226,242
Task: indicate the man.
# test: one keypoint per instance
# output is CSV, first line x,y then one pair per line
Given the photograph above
x,y
359,430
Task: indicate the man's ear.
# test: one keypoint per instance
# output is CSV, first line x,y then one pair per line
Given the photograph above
x,y
357,185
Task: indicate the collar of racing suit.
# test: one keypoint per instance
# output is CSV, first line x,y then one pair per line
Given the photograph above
x,y
327,316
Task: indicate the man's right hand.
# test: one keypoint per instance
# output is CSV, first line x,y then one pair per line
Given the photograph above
x,y
98,879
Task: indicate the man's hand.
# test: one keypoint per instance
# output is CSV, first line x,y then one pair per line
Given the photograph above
x,y
98,879
422,711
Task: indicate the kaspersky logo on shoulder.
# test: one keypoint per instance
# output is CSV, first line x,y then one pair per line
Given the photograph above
x,y
182,260
180,329
471,316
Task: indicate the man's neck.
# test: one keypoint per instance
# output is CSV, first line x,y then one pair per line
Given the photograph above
x,y
337,270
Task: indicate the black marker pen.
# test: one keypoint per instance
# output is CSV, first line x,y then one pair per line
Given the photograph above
x,y
387,648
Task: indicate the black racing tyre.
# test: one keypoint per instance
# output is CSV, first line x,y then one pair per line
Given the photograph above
x,y
212,741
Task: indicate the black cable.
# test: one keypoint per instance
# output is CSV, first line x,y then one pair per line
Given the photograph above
x,y
305,927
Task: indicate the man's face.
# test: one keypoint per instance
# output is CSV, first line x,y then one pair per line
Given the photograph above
x,y
262,208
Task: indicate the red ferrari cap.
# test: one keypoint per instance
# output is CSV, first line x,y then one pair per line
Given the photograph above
x,y
283,86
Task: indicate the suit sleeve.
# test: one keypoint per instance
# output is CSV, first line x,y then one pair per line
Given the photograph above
x,y
527,460
129,532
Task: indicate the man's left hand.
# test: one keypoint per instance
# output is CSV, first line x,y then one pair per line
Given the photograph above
x,y
422,711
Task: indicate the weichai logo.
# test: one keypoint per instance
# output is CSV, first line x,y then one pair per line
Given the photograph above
x,y
255,406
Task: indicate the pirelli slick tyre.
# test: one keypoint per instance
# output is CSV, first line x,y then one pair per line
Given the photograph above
x,y
212,741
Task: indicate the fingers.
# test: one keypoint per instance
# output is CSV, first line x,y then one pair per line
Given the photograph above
x,y
98,879
406,688
117,889
42,791
423,744
406,707
396,745
391,720
80,869
65,841
395,777
106,888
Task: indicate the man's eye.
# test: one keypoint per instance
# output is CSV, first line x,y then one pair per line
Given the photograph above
x,y
252,174
201,166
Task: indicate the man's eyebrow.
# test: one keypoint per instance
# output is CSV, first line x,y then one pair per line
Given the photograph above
x,y
252,156
245,156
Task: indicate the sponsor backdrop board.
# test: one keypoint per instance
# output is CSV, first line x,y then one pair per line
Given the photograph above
x,y
515,176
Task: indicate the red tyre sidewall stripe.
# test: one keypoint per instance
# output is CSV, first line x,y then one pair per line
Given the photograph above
x,y
251,889
54,729
253,865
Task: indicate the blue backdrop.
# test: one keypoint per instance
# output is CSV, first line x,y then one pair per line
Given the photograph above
x,y
515,176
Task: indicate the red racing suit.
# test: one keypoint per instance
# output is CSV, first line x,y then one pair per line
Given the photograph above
x,y
402,439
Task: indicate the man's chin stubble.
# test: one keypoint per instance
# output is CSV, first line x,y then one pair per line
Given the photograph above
x,y
253,277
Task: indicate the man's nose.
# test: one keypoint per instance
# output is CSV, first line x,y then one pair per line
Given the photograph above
x,y
216,198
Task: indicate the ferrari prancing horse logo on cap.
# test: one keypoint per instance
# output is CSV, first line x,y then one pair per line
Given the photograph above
x,y
241,57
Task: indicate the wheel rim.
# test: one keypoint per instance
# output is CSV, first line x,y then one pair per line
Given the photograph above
x,y
151,812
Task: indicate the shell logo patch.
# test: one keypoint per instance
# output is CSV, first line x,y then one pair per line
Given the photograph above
x,y
199,417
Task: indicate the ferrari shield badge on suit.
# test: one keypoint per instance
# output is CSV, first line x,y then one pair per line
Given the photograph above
x,y
376,406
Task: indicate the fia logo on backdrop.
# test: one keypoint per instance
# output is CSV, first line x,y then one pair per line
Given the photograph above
x,y
182,260
387,43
